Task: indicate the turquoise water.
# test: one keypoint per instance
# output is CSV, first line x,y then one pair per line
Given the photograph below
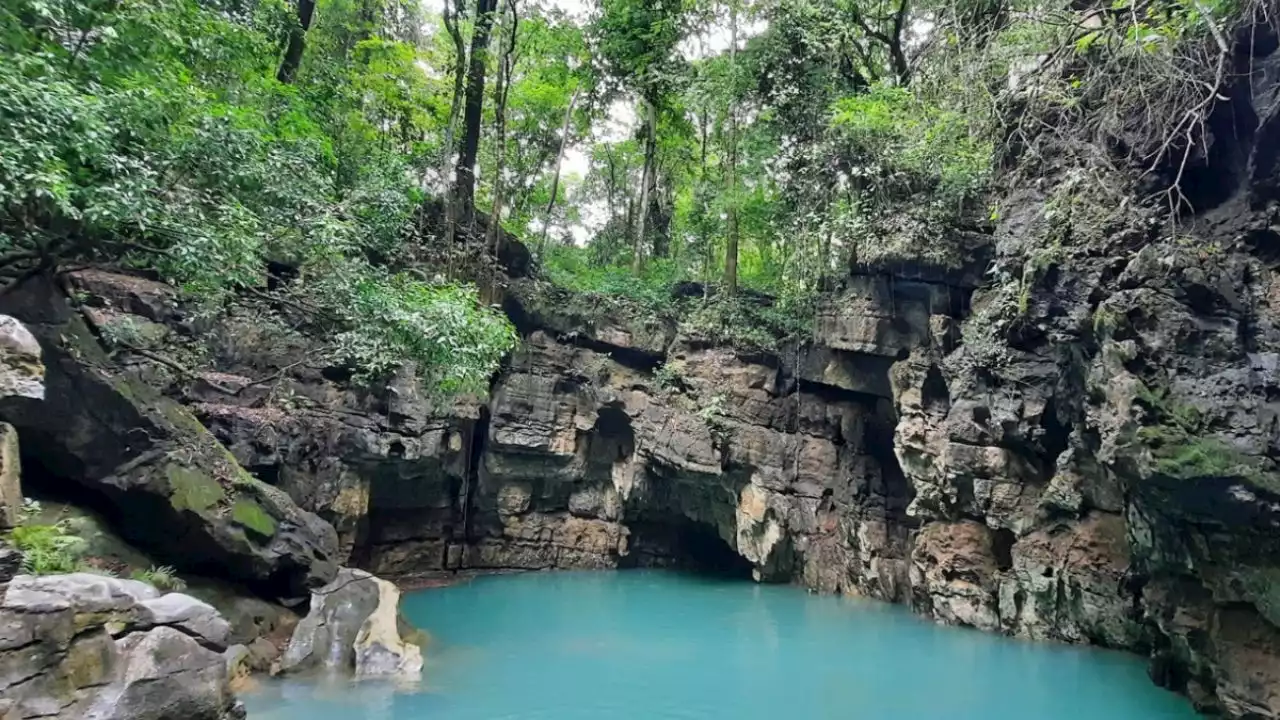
x,y
641,644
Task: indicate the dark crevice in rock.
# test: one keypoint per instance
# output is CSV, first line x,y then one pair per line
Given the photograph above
x,y
479,438
630,357
833,394
1002,541
268,473
1057,435
934,393
878,441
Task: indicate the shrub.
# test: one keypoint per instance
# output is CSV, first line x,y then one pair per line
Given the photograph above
x,y
48,549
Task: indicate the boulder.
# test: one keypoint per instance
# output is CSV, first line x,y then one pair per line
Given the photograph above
x,y
194,617
352,627
166,674
165,481
11,559
84,645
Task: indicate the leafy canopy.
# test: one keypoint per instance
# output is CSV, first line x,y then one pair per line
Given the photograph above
x,y
154,133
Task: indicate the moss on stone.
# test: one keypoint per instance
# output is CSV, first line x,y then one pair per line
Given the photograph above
x,y
192,489
249,514
1263,587
180,418
87,660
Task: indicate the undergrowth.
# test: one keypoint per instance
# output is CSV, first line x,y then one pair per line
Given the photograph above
x,y
47,548
655,298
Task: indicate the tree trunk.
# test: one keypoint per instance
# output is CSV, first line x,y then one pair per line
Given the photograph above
x,y
555,177
647,180
613,184
731,169
297,42
503,86
465,182
452,18
706,251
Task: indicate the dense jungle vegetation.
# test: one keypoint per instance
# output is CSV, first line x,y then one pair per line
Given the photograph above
x,y
754,146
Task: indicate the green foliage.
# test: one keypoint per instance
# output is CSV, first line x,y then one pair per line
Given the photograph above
x,y
48,549
669,377
747,322
576,270
712,412
638,39
920,169
911,141
1105,321
389,318
154,133
616,292
162,577
249,514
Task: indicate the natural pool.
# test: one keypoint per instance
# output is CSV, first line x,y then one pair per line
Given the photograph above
x,y
642,644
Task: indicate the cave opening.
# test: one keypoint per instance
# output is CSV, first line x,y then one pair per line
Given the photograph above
x,y
685,545
44,484
116,536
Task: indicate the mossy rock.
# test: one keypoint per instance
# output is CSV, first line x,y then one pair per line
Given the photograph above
x,y
193,489
249,514
168,486
1263,587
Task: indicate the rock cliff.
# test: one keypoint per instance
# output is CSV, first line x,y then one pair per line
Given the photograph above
x,y
879,458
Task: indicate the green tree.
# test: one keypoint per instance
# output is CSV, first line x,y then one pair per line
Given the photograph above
x,y
638,40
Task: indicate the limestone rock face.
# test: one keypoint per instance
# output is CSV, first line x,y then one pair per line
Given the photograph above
x,y
1114,432
21,369
352,627
379,649
75,646
10,477
953,574
171,488
21,375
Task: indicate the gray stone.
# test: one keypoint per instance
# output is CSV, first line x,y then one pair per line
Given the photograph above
x,y
165,674
196,618
326,637
81,592
144,456
87,646
10,477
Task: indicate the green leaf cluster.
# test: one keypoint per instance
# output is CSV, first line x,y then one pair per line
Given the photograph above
x,y
48,549
154,133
